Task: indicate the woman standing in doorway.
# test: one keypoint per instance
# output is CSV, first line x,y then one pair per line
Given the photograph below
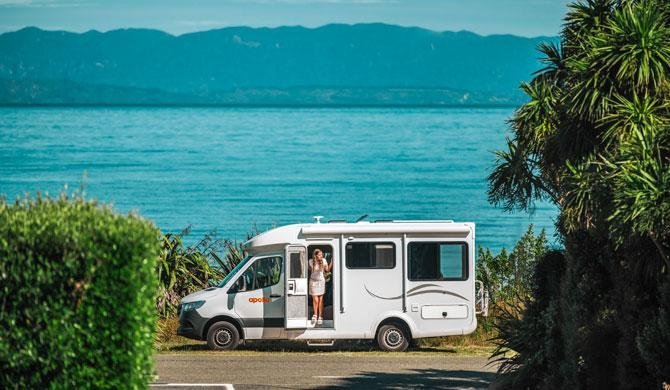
x,y
317,283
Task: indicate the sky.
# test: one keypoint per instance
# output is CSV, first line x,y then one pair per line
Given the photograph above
x,y
519,17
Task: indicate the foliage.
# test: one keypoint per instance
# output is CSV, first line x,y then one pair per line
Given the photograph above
x,y
594,136
166,333
586,314
183,270
508,276
528,340
180,271
77,286
594,139
654,340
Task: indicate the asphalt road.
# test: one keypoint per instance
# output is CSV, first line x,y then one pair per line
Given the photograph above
x,y
321,370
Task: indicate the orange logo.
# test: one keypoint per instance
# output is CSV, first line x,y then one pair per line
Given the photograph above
x,y
259,300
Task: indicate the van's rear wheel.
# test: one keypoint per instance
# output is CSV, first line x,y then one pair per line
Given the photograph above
x,y
222,336
392,337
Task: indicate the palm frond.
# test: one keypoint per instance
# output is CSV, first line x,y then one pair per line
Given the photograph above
x,y
515,181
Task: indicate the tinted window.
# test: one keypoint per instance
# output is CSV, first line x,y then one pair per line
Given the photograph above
x,y
438,261
370,255
298,265
262,273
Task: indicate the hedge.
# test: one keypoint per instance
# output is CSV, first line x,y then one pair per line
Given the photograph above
x,y
77,288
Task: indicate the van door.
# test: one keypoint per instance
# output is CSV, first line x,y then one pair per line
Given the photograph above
x,y
296,287
258,293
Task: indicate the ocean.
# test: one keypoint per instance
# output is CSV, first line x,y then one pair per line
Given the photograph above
x,y
232,170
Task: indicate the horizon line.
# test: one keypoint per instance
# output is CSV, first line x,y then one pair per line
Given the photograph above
x,y
258,105
296,26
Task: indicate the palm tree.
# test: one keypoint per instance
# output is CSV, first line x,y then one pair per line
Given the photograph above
x,y
592,120
594,138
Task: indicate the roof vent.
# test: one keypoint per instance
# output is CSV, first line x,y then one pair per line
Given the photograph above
x,y
317,218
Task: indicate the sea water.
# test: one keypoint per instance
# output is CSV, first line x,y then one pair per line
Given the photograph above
x,y
237,169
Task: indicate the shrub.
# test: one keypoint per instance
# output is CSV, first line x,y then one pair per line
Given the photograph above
x,y
654,341
529,329
180,271
508,276
184,269
77,284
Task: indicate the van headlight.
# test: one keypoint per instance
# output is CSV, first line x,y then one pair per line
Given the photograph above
x,y
186,307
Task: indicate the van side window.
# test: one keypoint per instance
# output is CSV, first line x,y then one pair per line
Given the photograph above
x,y
264,272
298,265
438,261
370,255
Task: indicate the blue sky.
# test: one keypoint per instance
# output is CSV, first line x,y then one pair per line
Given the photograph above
x,y
519,17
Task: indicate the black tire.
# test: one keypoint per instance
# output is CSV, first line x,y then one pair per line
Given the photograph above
x,y
392,337
222,336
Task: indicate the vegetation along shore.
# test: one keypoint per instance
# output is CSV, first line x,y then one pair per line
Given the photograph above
x,y
89,295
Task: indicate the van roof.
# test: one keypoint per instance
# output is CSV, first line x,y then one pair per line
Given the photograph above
x,y
290,233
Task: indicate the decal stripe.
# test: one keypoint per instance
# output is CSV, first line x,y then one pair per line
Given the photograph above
x,y
438,292
415,291
421,286
377,296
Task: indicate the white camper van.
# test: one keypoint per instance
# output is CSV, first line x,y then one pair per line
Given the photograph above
x,y
392,281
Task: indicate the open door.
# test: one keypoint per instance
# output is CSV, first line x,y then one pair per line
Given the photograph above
x,y
296,287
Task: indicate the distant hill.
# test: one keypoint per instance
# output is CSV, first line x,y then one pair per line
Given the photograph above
x,y
366,64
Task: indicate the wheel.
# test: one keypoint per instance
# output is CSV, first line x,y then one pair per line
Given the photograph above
x,y
222,336
392,337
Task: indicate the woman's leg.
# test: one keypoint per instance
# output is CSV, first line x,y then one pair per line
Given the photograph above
x,y
315,305
320,306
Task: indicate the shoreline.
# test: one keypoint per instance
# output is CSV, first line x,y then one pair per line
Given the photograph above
x,y
259,106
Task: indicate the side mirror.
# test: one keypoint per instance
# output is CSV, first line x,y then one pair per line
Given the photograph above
x,y
240,285
237,286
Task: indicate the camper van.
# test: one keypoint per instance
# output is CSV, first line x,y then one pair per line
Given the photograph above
x,y
392,281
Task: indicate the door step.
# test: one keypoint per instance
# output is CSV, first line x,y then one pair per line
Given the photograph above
x,y
321,342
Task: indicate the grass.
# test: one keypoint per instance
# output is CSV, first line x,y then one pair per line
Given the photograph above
x,y
344,347
475,344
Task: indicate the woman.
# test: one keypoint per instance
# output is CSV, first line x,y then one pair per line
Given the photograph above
x,y
317,283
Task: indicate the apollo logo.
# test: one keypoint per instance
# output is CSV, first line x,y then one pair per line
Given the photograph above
x,y
259,300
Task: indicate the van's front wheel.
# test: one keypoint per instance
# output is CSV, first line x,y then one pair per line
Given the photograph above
x,y
222,336
392,337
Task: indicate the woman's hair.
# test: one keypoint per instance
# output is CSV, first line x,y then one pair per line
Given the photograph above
x,y
314,266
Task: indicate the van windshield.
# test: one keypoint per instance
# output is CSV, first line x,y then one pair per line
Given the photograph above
x,y
232,272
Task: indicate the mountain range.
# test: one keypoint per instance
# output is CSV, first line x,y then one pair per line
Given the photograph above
x,y
361,64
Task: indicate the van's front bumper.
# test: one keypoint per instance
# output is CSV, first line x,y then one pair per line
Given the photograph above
x,y
191,325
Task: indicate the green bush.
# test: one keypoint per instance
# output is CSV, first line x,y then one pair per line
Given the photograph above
x,y
529,338
509,276
77,288
654,341
183,270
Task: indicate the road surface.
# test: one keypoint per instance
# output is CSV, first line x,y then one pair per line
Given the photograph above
x,y
291,370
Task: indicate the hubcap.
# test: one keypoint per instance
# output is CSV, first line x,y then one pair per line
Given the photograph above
x,y
393,337
223,337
